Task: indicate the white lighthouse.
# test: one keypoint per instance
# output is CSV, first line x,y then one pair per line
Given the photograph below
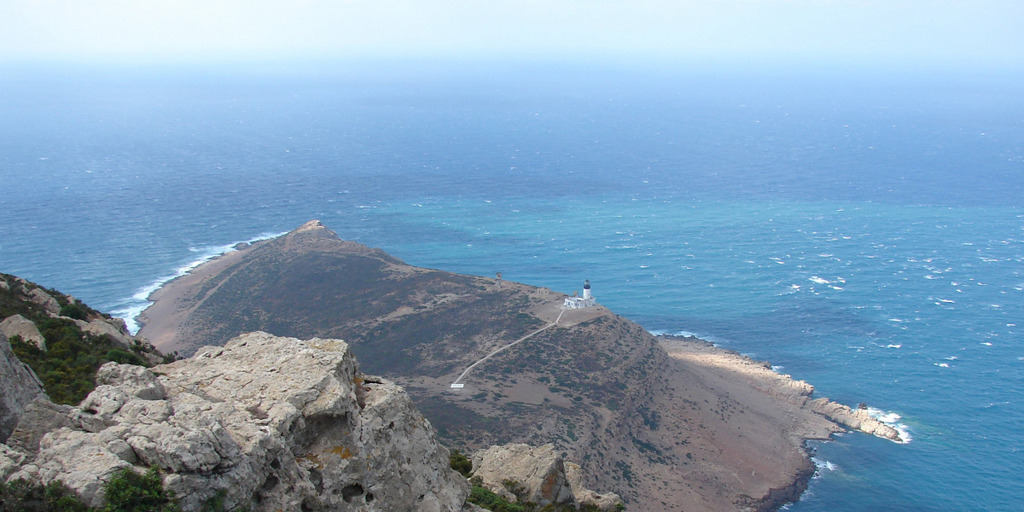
x,y
586,301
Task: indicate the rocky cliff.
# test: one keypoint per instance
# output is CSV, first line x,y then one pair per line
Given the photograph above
x,y
20,388
271,423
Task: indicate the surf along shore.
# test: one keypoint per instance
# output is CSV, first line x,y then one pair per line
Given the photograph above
x,y
728,434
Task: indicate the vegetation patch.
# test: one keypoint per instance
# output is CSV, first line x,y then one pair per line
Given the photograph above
x,y
127,491
68,366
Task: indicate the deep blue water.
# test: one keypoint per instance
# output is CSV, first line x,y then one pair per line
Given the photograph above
x,y
862,230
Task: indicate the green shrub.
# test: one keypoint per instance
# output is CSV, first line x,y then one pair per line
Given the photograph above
x,y
129,491
24,496
459,462
68,367
486,498
73,310
124,357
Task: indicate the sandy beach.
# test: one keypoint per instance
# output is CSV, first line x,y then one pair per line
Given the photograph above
x,y
177,299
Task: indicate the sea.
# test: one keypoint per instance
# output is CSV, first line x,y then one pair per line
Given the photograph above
x,y
861,228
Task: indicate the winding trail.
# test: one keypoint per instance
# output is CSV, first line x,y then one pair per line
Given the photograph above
x,y
499,349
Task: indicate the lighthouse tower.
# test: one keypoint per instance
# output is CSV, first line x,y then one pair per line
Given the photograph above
x,y
585,301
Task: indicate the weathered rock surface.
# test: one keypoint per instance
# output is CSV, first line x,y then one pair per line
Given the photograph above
x,y
20,387
44,299
274,423
17,325
539,474
39,418
113,327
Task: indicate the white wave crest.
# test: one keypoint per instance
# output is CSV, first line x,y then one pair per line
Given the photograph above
x,y
139,301
892,419
822,466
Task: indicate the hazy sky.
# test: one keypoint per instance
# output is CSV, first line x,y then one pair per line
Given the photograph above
x,y
930,32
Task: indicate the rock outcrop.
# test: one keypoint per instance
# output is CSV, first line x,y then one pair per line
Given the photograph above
x,y
20,387
607,502
270,423
115,328
44,299
17,325
524,473
855,419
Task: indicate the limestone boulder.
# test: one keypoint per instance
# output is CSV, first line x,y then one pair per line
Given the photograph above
x,y
10,461
112,327
608,502
75,458
44,299
532,474
17,325
39,418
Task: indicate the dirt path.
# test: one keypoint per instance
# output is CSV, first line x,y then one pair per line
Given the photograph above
x,y
499,349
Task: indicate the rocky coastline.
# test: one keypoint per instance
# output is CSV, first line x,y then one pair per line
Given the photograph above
x,y
781,386
786,390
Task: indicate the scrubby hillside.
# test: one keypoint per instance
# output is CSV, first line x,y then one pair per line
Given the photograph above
x,y
63,340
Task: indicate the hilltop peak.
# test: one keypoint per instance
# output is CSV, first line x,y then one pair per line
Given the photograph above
x,y
309,226
313,227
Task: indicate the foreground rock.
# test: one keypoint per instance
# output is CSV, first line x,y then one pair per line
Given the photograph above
x,y
523,473
19,388
271,423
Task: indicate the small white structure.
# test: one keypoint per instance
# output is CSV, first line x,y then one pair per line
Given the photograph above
x,y
586,301
458,386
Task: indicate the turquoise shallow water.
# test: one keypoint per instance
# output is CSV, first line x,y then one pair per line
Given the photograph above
x,y
869,240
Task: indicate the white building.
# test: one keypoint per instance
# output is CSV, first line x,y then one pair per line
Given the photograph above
x,y
586,301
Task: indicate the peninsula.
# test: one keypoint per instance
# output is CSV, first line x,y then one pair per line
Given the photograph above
x,y
668,424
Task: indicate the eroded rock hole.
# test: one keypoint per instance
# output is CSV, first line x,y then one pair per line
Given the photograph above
x,y
270,483
350,491
317,479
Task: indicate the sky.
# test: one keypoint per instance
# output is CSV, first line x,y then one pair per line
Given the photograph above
x,y
926,32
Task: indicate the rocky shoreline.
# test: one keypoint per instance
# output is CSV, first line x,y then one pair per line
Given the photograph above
x,y
783,386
